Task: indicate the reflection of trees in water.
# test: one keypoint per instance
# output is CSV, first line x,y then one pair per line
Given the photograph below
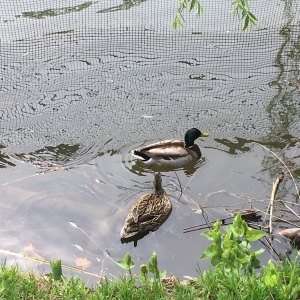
x,y
127,4
283,109
53,12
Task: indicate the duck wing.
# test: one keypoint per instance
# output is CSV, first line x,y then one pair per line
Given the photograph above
x,y
166,143
168,149
146,208
147,214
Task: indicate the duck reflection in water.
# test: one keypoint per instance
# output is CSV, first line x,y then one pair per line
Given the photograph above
x,y
147,214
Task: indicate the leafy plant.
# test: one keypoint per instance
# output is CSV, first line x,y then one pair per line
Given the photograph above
x,y
56,268
191,5
282,285
241,8
144,273
153,267
278,281
127,264
6,279
230,252
272,278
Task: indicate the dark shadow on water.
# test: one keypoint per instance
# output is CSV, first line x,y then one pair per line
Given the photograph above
x,y
127,4
4,161
240,145
62,155
62,152
53,12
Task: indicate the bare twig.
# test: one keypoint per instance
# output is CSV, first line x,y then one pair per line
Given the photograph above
x,y
105,252
288,170
280,153
273,195
205,215
279,219
289,202
286,221
291,210
269,246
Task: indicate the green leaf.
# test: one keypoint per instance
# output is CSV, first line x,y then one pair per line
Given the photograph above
x,y
190,278
144,271
228,242
153,264
243,258
162,273
121,264
270,266
56,269
254,234
125,266
246,23
199,9
255,263
217,225
207,234
7,278
126,263
127,259
229,228
235,2
177,22
229,254
271,280
210,251
240,7
260,251
217,237
252,21
192,5
240,226
252,15
246,245
244,13
216,260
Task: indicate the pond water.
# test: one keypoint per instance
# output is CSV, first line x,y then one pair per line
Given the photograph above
x,y
83,100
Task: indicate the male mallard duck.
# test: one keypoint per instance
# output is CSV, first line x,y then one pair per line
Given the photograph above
x,y
147,214
173,153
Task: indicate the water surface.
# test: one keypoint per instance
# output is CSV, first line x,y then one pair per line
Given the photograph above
x,y
83,99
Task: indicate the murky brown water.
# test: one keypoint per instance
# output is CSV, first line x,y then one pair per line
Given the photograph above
x,y
85,99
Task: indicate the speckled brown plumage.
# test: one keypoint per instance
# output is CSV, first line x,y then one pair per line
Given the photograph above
x,y
147,214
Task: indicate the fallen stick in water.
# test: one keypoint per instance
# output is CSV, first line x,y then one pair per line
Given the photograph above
x,y
273,195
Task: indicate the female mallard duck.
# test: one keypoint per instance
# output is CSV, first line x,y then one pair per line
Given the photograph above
x,y
147,214
173,153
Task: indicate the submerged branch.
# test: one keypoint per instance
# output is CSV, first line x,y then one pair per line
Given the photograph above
x,y
273,195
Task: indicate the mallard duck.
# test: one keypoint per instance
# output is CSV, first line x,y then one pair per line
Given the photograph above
x,y
173,153
147,214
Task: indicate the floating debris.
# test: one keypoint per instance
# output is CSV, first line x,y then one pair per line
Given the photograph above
x,y
291,233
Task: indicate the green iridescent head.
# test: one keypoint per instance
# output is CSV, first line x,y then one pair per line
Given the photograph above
x,y
192,134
